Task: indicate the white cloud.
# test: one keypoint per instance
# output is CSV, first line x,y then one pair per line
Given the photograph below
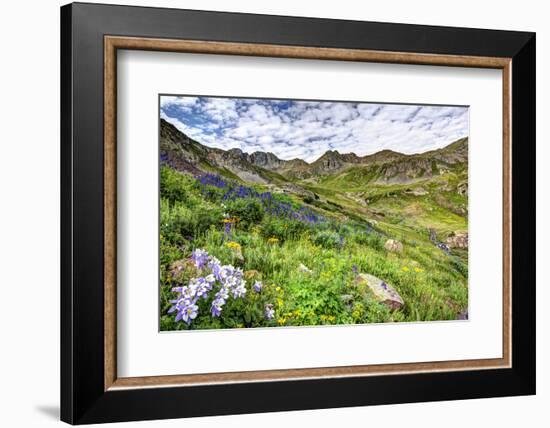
x,y
306,129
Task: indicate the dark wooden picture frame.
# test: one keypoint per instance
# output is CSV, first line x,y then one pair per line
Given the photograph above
x,y
90,389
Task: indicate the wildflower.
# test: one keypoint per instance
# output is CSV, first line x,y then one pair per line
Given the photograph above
x,y
269,312
189,313
186,309
405,268
239,290
355,269
216,308
418,270
233,245
200,258
272,240
281,321
210,280
257,286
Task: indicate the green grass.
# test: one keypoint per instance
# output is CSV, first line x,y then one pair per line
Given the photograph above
x,y
432,283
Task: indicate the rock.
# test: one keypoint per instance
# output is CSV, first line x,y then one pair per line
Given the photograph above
x,y
462,189
419,191
457,240
382,291
393,246
303,268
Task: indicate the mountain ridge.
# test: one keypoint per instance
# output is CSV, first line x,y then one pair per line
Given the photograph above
x,y
191,156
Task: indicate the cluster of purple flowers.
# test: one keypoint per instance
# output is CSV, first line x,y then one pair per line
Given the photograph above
x,y
212,180
271,204
186,303
229,278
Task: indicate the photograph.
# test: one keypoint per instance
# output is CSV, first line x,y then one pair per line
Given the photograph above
x,y
283,212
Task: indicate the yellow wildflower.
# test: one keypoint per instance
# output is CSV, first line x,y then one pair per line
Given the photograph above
x,y
233,245
417,269
230,220
272,240
281,321
280,302
405,269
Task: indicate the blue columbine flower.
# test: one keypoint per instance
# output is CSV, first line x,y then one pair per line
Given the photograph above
x,y
189,313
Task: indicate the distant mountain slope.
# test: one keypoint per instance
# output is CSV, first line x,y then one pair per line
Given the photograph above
x,y
188,155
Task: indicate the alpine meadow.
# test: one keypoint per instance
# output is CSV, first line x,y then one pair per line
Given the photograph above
x,y
281,212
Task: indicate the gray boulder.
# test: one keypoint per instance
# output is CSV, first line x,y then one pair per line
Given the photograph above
x,y
381,291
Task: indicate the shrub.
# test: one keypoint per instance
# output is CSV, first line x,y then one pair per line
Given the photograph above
x,y
173,185
282,229
249,211
328,239
178,222
371,239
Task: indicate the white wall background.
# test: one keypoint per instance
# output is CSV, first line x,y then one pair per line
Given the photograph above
x,y
29,214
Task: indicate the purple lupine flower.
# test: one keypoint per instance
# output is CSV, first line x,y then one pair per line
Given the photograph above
x,y
269,312
227,226
200,258
257,286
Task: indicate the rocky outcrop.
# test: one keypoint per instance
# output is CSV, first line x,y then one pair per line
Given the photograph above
x,y
382,291
457,240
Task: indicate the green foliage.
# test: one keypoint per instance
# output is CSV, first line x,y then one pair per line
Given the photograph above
x,y
249,211
328,239
173,185
282,229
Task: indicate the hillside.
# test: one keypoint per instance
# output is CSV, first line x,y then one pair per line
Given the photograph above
x,y
309,229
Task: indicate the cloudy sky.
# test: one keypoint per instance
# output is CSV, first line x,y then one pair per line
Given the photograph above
x,y
307,129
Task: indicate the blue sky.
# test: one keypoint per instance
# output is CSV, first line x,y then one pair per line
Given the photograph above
x,y
307,129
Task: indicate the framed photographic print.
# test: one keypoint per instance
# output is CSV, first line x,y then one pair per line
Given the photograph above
x,y
265,213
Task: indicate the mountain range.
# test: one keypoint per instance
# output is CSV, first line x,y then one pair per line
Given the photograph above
x,y
384,167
